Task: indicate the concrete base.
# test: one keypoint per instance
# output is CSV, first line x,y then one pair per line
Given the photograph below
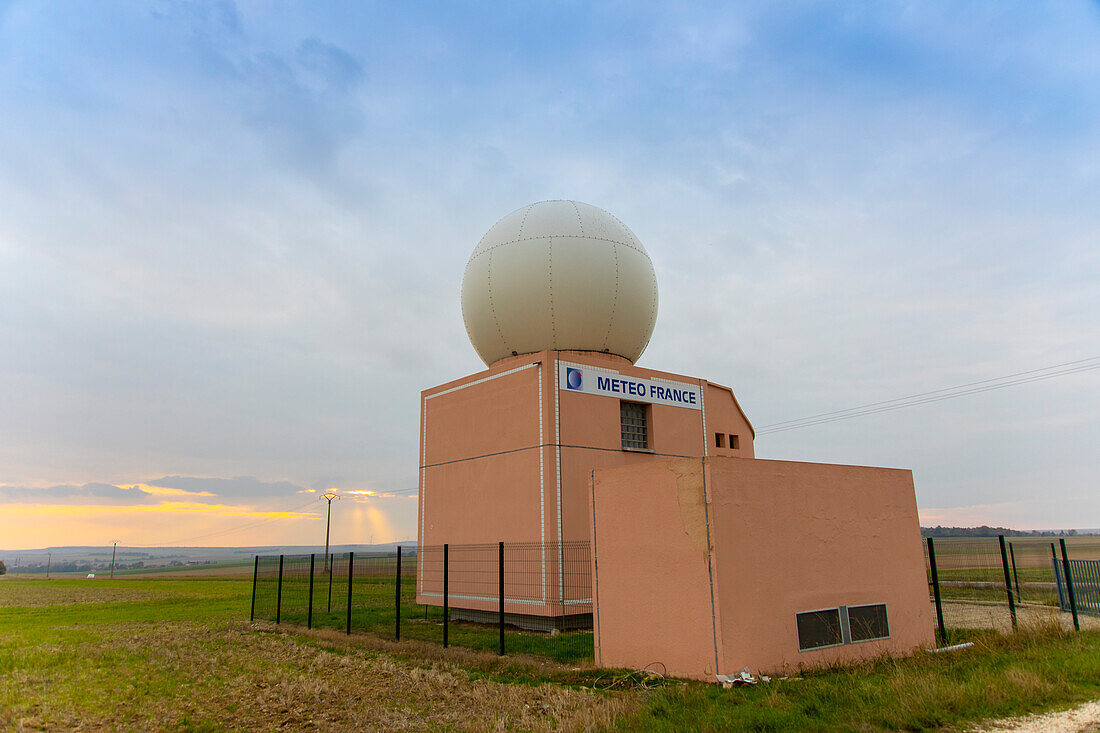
x,y
573,622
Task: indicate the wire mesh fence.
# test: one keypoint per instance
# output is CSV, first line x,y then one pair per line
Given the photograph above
x,y
1085,595
529,598
993,582
536,598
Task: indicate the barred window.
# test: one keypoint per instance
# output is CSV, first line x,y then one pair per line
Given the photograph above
x,y
633,418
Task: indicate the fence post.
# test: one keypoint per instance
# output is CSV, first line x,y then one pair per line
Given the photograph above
x,y
397,599
330,583
936,590
351,568
1069,585
255,575
1008,580
500,574
446,612
309,614
279,594
1015,575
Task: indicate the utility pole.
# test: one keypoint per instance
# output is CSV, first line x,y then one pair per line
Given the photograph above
x,y
113,548
328,496
49,561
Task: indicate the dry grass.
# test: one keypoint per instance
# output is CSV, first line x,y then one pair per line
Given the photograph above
x,y
229,677
38,594
72,658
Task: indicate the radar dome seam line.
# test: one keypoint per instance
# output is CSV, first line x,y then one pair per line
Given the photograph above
x,y
578,212
637,248
614,300
492,308
626,230
550,258
522,223
644,342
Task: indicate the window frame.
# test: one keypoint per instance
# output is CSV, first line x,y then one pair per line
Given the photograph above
x,y
839,628
844,623
886,618
645,419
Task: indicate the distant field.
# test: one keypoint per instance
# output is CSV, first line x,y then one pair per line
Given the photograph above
x,y
178,654
215,570
238,569
1030,549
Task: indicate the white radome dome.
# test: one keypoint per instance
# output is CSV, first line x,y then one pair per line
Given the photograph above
x,y
559,275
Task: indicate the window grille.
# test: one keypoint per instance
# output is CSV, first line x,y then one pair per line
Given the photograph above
x,y
634,429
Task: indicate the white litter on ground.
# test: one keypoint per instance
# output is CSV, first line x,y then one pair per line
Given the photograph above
x,y
1082,719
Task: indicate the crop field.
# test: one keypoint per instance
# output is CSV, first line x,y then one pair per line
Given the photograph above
x,y
970,568
180,654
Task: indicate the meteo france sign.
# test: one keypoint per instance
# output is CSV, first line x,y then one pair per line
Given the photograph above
x,y
609,383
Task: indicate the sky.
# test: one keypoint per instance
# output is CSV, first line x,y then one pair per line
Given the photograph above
x,y
232,237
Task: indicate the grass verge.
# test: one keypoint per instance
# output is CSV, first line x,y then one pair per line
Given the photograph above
x,y
180,655
1043,667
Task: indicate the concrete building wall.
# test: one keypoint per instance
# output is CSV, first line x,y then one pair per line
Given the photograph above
x,y
500,448
752,542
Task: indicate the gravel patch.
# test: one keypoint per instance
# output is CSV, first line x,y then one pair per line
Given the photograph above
x,y
1083,719
971,615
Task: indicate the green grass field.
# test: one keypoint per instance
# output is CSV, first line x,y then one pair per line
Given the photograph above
x,y
166,654
374,611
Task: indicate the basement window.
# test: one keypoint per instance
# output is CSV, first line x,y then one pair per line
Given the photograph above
x,y
843,625
817,629
866,623
719,440
632,417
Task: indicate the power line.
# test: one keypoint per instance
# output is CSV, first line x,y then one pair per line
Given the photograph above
x,y
937,395
856,412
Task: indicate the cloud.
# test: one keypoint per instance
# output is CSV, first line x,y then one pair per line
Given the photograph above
x,y
167,507
231,240
239,487
152,492
92,493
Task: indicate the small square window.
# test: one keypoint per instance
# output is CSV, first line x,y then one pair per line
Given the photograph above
x,y
868,622
734,442
632,417
719,440
818,629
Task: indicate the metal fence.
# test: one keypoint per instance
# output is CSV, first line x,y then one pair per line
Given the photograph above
x,y
530,598
1082,595
998,582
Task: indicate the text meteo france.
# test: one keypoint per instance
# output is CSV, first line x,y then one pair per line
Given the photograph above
x,y
625,386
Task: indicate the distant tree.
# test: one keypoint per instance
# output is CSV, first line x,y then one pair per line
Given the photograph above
x,y
986,531
3,567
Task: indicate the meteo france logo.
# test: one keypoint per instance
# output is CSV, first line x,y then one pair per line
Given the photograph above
x,y
574,379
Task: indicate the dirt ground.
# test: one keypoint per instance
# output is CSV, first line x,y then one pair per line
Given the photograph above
x,y
971,615
1082,719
